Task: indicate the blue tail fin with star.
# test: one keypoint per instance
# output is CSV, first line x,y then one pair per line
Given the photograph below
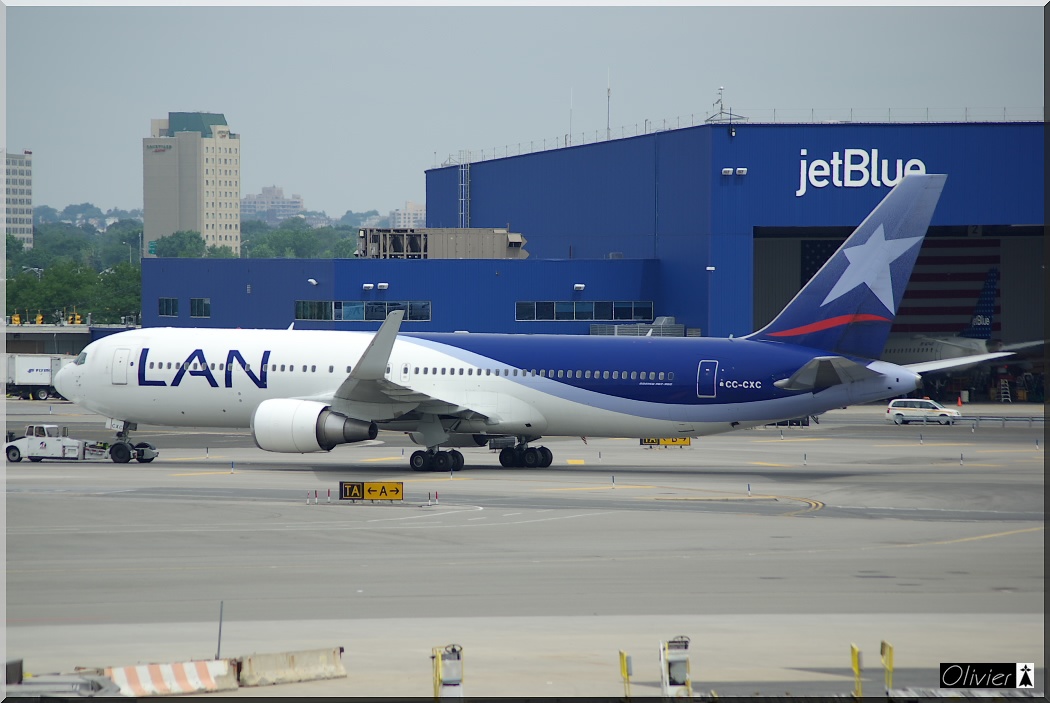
x,y
849,305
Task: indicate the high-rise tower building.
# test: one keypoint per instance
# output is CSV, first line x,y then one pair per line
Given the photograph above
x,y
191,179
19,193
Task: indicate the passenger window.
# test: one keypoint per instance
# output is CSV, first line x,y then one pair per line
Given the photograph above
x,y
560,373
313,368
588,374
578,374
634,375
461,371
425,370
331,369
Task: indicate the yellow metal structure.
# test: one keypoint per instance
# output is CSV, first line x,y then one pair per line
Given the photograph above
x,y
858,690
625,673
886,650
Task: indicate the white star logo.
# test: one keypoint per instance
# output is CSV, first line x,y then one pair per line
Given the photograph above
x,y
869,263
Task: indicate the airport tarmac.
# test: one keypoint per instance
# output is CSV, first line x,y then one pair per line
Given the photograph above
x,y
773,549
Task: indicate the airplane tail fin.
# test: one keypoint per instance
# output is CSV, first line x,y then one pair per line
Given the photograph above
x,y
981,322
849,305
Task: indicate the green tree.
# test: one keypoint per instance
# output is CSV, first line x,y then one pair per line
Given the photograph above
x,y
117,294
82,211
42,215
220,252
345,249
15,249
185,244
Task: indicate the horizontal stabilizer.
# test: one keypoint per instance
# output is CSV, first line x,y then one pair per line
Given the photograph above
x,y
927,366
824,372
1017,346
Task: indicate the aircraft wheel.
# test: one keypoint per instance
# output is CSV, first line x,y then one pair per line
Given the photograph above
x,y
40,394
13,455
442,461
457,459
548,457
138,455
532,458
508,457
120,453
419,461
898,420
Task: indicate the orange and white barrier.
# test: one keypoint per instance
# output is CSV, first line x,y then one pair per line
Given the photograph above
x,y
171,679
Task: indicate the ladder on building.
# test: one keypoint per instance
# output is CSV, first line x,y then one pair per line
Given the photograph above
x,y
1004,391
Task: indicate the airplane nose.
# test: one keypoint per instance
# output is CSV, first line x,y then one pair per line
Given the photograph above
x,y
63,381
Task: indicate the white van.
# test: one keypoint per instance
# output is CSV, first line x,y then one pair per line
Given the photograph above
x,y
905,410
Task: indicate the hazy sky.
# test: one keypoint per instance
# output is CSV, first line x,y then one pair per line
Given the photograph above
x,y
347,106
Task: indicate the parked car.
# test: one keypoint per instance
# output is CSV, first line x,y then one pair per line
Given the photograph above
x,y
905,410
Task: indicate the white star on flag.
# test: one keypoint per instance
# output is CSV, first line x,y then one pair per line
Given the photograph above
x,y
869,263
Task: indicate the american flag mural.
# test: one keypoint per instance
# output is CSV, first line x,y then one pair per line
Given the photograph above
x,y
943,290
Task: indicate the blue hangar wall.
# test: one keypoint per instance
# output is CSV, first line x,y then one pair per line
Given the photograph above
x,y
657,203
663,196
477,295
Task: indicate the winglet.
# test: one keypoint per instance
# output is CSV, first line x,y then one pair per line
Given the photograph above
x,y
372,365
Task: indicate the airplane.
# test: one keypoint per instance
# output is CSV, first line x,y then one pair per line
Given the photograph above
x,y
303,391
975,339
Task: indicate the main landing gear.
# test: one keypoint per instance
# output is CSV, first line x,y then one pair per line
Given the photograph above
x,y
523,456
436,460
122,451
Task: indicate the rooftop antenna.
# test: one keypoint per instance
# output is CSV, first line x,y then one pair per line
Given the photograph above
x,y
723,115
608,104
568,138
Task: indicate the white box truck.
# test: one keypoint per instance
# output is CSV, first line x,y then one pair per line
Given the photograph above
x,y
31,375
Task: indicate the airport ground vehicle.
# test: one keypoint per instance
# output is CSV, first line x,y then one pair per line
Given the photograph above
x,y
41,442
905,410
31,375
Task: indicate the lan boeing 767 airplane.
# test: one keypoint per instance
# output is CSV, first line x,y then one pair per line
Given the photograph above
x,y
307,391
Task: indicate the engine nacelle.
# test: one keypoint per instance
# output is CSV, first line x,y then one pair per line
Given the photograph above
x,y
456,439
301,426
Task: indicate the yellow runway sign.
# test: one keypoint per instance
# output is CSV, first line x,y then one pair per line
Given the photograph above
x,y
375,490
666,441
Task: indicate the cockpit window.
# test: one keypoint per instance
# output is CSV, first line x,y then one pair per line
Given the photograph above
x,y
81,359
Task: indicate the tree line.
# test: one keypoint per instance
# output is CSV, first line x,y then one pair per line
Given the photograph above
x,y
79,269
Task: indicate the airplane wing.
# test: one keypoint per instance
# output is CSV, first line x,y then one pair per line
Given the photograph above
x,y
368,395
824,372
1023,345
927,366
947,342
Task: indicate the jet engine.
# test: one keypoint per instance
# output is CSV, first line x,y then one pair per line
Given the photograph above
x,y
300,426
456,439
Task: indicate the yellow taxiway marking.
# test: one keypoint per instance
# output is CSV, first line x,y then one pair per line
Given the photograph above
x,y
766,463
794,439
965,539
203,473
933,444
752,497
384,458
1010,451
596,488
575,461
